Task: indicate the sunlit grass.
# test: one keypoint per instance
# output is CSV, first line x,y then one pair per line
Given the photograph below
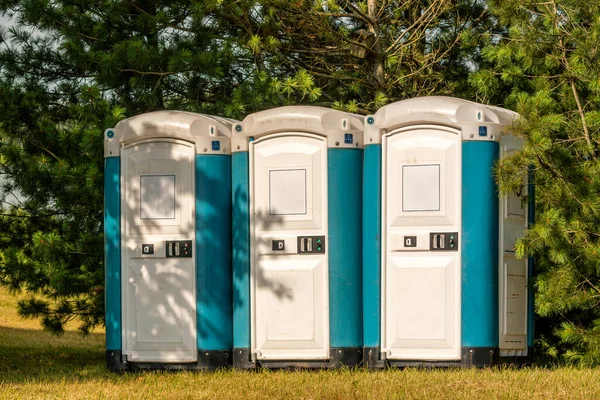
x,y
35,364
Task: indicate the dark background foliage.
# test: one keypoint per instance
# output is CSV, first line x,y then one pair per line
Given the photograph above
x,y
70,69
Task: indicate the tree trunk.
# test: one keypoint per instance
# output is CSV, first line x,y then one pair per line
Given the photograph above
x,y
378,60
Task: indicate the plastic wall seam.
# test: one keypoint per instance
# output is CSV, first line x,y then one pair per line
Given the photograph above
x,y
240,249
345,170
112,252
213,252
371,224
479,306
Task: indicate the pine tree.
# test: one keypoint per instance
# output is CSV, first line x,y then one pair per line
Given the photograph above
x,y
71,68
361,55
51,241
546,66
68,70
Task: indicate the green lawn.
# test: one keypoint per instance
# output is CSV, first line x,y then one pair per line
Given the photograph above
x,y
34,364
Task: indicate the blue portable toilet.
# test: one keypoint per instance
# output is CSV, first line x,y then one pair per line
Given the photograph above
x,y
441,283
167,225
297,201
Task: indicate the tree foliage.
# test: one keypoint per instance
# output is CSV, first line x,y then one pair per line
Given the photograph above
x,y
68,70
51,240
71,68
362,55
546,66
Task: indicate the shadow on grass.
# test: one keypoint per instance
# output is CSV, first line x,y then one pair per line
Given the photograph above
x,y
28,355
32,355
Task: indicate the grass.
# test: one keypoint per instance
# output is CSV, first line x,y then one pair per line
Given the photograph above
x,y
35,364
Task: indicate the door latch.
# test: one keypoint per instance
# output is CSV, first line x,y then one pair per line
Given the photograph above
x,y
179,248
311,244
443,241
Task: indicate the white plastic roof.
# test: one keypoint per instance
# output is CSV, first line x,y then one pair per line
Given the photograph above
x,y
176,123
300,118
440,109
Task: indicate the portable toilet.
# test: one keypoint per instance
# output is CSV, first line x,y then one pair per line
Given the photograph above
x,y
297,190
167,225
441,283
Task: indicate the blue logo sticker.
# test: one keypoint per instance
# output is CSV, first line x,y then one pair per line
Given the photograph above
x,y
216,145
483,131
110,134
348,138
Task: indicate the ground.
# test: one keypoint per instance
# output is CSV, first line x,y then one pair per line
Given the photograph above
x,y
35,364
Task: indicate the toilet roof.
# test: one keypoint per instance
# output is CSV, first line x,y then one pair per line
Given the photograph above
x,y
312,119
173,124
446,110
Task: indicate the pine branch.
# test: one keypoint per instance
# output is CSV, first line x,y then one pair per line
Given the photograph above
x,y
151,72
581,114
365,17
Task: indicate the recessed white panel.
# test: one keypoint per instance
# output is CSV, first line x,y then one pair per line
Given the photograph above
x,y
160,319
290,314
421,297
158,312
516,302
157,197
423,304
287,191
420,188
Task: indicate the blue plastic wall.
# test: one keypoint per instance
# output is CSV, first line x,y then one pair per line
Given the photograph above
x,y
112,251
479,308
213,252
531,262
241,250
344,169
371,223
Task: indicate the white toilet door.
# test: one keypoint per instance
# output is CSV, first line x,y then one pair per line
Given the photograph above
x,y
421,221
158,281
289,283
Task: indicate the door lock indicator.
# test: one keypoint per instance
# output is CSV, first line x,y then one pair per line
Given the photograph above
x,y
410,241
443,241
147,249
179,248
311,244
278,245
